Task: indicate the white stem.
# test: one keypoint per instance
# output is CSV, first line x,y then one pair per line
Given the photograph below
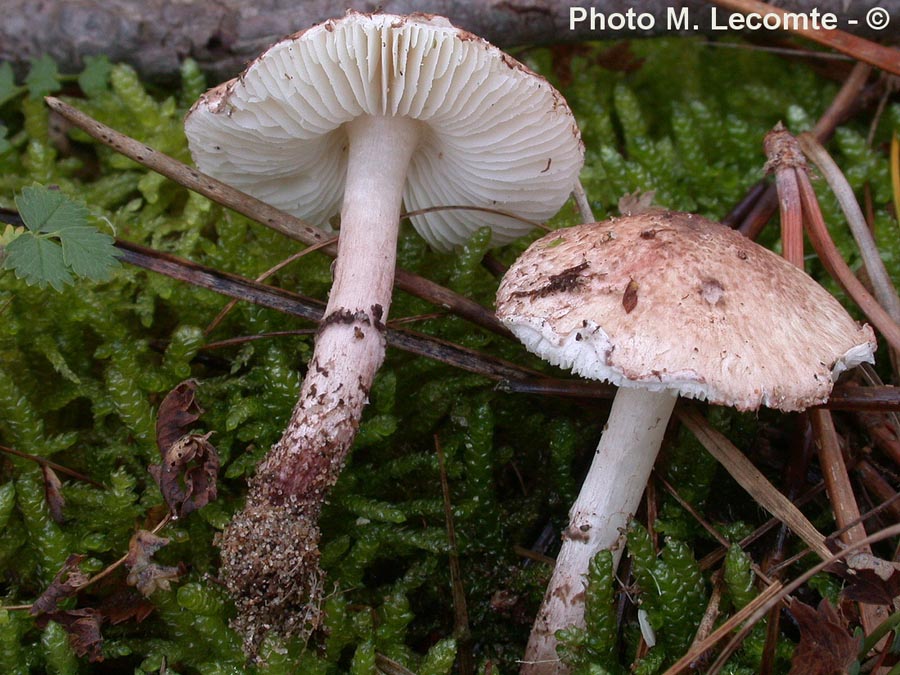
x,y
350,344
608,499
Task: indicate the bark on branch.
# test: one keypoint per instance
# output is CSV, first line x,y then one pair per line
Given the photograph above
x,y
155,35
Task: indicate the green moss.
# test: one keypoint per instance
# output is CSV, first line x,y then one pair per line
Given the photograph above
x,y
594,647
82,373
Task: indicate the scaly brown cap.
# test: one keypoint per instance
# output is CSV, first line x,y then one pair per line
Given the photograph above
x,y
667,300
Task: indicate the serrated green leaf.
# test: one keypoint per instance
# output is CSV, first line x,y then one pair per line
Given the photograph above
x,y
94,79
37,260
81,249
46,210
4,143
43,78
89,252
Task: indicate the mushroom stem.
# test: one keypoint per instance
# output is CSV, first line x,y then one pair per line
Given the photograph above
x,y
349,347
270,555
609,497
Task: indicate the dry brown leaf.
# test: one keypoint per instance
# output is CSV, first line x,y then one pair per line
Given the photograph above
x,y
144,573
124,605
178,411
83,628
64,585
53,493
826,647
190,464
870,579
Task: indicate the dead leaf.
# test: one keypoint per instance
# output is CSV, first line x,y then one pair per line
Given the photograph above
x,y
83,629
630,297
64,585
144,573
187,476
870,579
53,493
190,463
826,647
178,411
563,55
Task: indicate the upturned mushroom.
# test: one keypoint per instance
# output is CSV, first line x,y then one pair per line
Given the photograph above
x,y
663,304
360,115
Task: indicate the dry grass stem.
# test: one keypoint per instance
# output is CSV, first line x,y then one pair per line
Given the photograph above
x,y
723,542
838,268
847,99
895,173
460,609
882,286
785,161
483,209
715,556
752,480
711,615
51,464
700,647
295,304
282,222
785,591
769,598
842,498
190,177
880,489
752,214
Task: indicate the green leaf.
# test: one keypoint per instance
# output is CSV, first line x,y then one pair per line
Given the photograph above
x,y
37,260
4,142
94,79
43,78
88,252
80,249
47,210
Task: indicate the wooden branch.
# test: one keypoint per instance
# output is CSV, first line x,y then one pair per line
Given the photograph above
x,y
268,215
239,287
156,35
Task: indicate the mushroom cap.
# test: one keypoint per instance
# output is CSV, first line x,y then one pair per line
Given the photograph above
x,y
496,134
666,300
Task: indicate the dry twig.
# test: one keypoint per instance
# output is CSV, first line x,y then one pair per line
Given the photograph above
x,y
263,213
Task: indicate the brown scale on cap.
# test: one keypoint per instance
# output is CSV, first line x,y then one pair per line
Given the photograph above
x,y
662,303
695,307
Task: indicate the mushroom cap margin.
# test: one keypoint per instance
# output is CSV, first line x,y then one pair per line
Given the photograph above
x,y
498,136
674,301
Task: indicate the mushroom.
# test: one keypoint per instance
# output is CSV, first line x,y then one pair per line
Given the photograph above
x,y
361,114
663,304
